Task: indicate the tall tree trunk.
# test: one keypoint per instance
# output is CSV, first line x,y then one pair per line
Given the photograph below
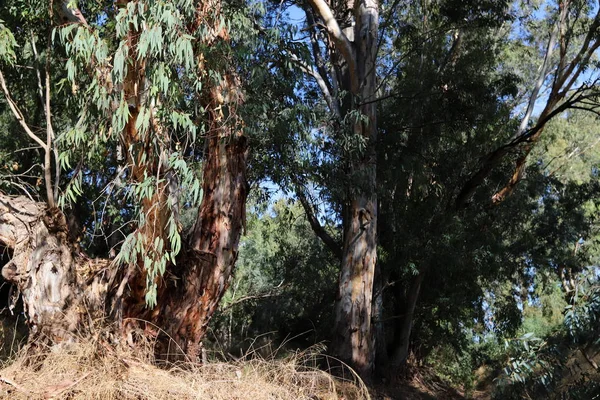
x,y
354,341
204,267
402,337
209,263
354,53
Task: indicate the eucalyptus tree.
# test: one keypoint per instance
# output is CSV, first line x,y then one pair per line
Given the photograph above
x,y
351,32
484,80
154,87
538,63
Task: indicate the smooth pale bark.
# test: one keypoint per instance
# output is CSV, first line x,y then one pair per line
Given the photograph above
x,y
354,341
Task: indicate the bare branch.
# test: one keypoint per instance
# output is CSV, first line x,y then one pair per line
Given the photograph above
x,y
584,54
316,226
273,292
338,37
538,84
49,129
18,114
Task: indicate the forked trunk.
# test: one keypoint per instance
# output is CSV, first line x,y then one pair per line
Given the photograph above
x,y
63,290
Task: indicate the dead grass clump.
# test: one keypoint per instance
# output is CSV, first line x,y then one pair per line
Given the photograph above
x,y
92,369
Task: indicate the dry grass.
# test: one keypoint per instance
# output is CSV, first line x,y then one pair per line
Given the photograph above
x,y
91,369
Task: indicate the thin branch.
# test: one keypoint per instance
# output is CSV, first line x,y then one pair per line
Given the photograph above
x,y
276,291
538,84
18,114
37,71
574,153
316,49
312,71
50,193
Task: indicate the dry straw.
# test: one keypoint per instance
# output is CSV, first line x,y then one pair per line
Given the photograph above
x,y
92,369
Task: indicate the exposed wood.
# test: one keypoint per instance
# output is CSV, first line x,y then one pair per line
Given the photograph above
x,y
538,85
59,287
342,43
18,114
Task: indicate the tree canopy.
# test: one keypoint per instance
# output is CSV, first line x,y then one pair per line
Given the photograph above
x,y
412,182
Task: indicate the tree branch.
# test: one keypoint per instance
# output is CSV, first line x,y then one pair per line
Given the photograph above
x,y
18,114
49,130
331,101
558,92
538,84
340,40
316,226
316,49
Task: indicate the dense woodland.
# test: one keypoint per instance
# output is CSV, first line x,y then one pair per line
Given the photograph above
x,y
414,184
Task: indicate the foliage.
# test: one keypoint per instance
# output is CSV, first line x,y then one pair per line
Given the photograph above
x,y
511,288
284,282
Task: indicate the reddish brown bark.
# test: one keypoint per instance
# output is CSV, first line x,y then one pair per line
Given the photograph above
x,y
143,150
60,288
215,241
207,264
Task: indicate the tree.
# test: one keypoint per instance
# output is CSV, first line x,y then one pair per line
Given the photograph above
x,y
353,48
427,54
148,60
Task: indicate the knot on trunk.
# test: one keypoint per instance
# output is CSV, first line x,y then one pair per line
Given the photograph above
x,y
55,221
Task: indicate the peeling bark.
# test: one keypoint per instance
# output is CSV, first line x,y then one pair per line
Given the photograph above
x,y
63,290
214,242
204,269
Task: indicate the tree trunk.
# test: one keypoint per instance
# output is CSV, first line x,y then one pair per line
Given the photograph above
x,y
63,290
60,288
402,338
381,355
214,243
202,274
354,339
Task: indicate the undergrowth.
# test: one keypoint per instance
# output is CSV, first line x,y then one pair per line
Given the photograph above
x,y
91,368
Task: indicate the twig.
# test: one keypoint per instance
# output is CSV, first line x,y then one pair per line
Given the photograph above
x,y
15,385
